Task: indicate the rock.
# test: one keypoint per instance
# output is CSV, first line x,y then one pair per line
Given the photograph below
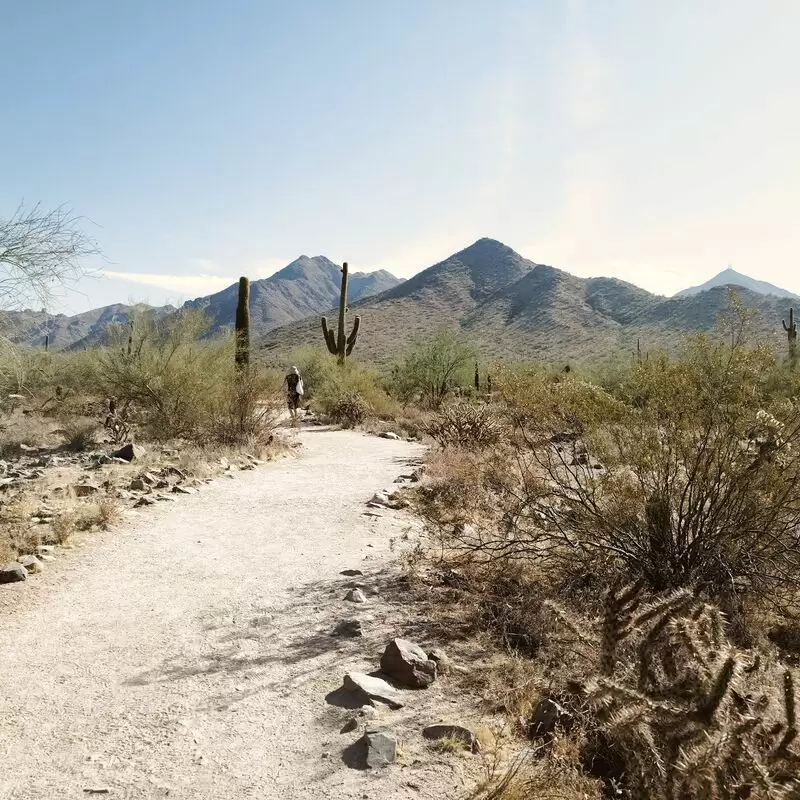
x,y
367,711
408,664
13,573
85,489
144,501
442,661
374,688
46,557
45,549
224,463
31,563
356,596
381,749
350,725
349,628
547,716
138,485
129,452
456,732
183,490
389,435
351,573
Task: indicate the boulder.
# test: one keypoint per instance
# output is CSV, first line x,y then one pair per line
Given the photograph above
x,y
381,749
356,596
31,563
129,452
373,688
408,664
457,733
13,573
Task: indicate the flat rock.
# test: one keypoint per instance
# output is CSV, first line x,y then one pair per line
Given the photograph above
x,y
374,688
381,749
351,573
31,563
144,501
408,664
129,452
13,573
356,596
389,435
177,489
85,489
457,732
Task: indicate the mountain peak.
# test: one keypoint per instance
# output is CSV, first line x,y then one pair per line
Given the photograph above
x,y
730,277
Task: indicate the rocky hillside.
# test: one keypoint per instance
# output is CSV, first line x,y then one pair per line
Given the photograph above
x,y
730,277
516,309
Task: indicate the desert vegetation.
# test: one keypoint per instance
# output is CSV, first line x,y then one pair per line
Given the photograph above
x,y
630,543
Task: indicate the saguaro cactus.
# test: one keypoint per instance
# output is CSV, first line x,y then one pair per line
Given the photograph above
x,y
341,345
477,378
243,325
791,333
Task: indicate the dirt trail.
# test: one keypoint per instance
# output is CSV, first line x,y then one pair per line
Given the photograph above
x,y
186,654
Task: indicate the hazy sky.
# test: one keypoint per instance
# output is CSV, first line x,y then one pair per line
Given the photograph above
x,y
653,140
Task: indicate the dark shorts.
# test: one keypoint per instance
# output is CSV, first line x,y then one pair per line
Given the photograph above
x,y
293,401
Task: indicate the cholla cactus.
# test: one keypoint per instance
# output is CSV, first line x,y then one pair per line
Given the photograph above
x,y
689,715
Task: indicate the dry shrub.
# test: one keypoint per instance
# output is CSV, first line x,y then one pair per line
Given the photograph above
x,y
80,434
348,409
466,425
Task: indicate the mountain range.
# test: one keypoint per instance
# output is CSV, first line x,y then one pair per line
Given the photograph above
x,y
509,306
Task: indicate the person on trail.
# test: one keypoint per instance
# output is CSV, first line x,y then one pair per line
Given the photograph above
x,y
294,391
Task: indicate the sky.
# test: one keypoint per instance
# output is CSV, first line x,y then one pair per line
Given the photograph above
x,y
651,140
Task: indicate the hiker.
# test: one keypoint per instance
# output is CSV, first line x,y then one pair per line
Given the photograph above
x,y
294,391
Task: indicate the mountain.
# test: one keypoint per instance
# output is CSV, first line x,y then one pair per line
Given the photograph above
x,y
62,331
513,308
306,286
730,277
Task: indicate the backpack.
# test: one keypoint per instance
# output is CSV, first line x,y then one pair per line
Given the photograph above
x,y
299,387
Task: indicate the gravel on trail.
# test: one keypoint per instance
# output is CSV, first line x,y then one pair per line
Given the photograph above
x,y
184,653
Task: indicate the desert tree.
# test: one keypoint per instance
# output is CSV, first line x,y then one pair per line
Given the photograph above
x,y
40,249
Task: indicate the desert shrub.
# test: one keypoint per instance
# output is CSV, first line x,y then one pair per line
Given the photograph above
x,y
348,409
466,425
675,710
433,368
79,433
174,384
687,477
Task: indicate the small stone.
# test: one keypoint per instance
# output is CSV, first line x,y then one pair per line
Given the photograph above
x,y
13,573
368,711
350,725
41,549
547,716
356,596
129,452
351,573
85,489
381,749
183,490
46,557
461,734
389,435
144,501
31,563
349,628
408,664
138,485
374,688
442,661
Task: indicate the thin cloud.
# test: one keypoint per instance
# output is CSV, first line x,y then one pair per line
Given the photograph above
x,y
183,284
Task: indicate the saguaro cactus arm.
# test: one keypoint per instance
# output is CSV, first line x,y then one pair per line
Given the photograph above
x,y
330,337
791,328
351,339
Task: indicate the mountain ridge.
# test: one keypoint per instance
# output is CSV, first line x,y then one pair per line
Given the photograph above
x,y
730,277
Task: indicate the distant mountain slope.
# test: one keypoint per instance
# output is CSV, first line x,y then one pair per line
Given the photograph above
x,y
515,309
306,286
31,327
730,277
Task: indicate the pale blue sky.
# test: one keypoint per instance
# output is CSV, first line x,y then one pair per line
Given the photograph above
x,y
653,140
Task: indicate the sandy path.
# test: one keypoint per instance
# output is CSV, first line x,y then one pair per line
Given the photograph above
x,y
186,654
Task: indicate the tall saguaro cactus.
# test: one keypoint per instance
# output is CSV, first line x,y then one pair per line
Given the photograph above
x,y
341,345
791,333
243,325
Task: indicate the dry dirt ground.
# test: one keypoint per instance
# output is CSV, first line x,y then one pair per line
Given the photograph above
x,y
187,653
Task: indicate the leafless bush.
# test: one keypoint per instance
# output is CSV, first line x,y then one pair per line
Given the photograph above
x,y
466,425
79,433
